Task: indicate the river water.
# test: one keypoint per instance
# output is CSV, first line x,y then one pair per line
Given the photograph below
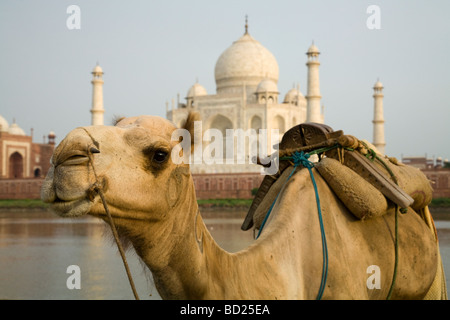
x,y
37,249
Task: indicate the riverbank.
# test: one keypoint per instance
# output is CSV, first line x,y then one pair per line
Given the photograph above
x,y
25,204
441,205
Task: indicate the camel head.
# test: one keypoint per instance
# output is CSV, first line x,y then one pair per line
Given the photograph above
x,y
131,163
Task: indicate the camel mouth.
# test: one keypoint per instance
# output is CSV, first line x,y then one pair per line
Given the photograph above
x,y
72,208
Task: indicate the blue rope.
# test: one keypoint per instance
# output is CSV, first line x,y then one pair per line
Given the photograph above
x,y
301,158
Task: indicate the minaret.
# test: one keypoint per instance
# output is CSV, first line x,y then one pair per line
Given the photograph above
x,y
97,96
313,91
378,118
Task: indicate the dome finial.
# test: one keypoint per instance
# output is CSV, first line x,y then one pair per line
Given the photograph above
x,y
246,24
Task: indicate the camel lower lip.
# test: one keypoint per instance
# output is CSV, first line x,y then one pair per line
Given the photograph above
x,y
73,208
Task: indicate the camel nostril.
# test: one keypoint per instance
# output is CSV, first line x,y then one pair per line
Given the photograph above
x,y
94,150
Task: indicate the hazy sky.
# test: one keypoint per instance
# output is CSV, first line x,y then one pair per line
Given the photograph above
x,y
152,50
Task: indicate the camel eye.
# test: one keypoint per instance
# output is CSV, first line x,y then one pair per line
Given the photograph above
x,y
160,156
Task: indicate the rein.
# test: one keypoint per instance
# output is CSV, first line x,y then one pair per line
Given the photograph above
x,y
301,158
97,187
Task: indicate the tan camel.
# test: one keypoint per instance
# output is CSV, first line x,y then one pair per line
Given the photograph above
x,y
154,206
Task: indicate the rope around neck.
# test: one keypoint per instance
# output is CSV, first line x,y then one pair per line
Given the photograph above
x,y
97,188
301,158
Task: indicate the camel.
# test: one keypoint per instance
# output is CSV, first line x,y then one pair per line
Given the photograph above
x,y
153,203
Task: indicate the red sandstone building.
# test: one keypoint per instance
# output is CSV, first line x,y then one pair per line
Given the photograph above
x,y
226,185
240,185
23,163
437,171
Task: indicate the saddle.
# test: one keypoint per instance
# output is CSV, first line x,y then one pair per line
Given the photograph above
x,y
366,182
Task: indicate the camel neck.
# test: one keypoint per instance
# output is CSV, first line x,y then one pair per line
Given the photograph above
x,y
177,250
188,272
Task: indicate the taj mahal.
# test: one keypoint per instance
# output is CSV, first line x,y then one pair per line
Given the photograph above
x,y
247,97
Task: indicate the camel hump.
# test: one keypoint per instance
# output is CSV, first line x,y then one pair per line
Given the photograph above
x,y
403,185
372,171
360,197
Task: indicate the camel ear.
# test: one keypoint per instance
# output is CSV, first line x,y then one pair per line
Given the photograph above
x,y
116,119
194,131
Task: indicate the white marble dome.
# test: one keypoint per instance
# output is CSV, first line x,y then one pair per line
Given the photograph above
x,y
4,126
196,90
378,85
267,85
97,69
293,96
15,129
247,62
313,49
